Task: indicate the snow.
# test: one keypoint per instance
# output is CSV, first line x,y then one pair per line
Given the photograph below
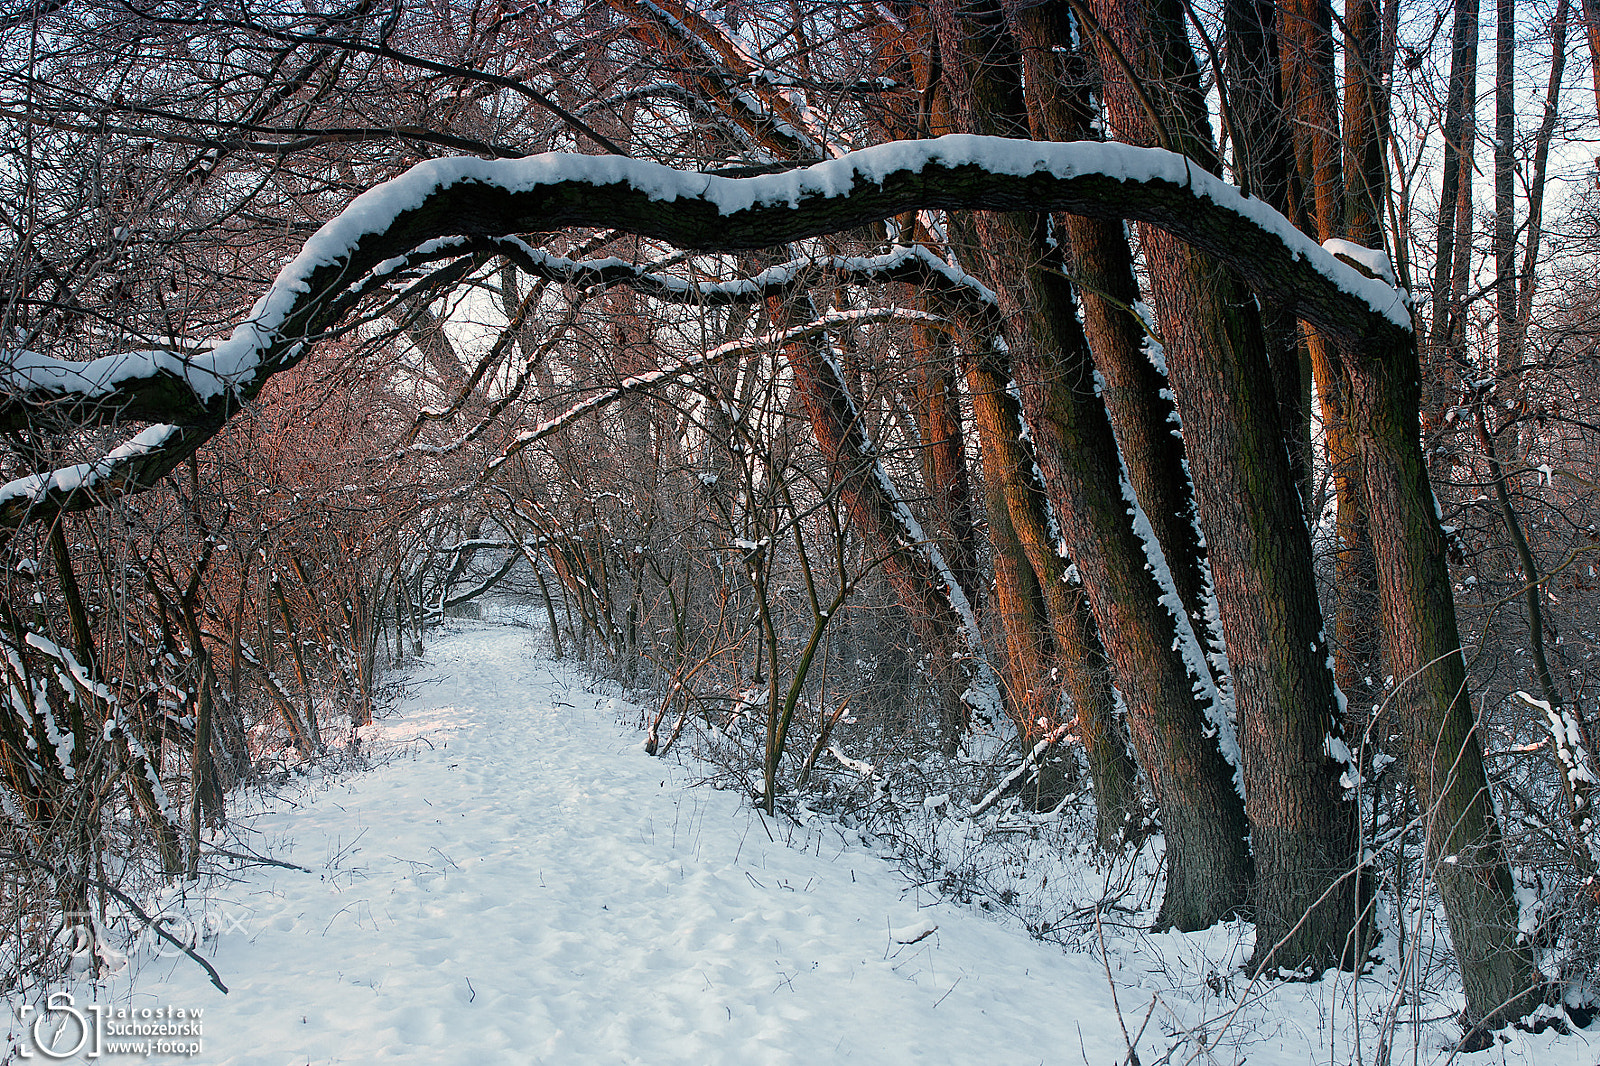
x,y
1185,641
99,377
86,475
376,210
1375,261
515,881
520,883
1568,736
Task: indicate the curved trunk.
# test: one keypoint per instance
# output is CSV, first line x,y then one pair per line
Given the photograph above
x,y
1134,388
1302,831
1465,854
1208,860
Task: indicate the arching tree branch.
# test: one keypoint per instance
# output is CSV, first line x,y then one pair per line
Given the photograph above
x,y
195,393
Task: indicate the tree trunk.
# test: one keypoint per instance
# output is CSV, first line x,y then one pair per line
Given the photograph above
x,y
1009,467
1032,661
1454,229
1136,394
1303,832
944,464
1313,107
1463,843
1264,165
1208,861
924,584
1508,357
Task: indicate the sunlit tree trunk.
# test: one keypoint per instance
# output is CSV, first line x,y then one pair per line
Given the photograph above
x,y
1100,262
1303,832
1018,505
937,407
1080,653
1208,862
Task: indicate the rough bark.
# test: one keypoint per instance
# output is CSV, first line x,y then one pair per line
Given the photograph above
x,y
1302,831
937,408
1100,261
1464,849
1208,862
1357,641
1208,865
1264,165
1018,505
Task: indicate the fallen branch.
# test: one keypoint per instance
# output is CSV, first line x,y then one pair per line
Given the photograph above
x,y
1029,762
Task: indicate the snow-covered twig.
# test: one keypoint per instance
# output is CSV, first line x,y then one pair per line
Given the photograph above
x,y
1031,760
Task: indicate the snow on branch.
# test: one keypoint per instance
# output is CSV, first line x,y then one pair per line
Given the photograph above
x,y
915,265
194,393
712,55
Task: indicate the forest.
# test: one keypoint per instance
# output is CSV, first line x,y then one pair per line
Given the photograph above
x,y
1177,414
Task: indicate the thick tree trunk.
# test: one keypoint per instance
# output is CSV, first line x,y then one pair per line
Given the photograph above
x,y
1302,831
1464,849
1208,862
1311,99
1357,660
1143,415
1208,866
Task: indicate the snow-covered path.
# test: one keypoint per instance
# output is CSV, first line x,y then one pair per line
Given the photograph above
x,y
523,884
517,882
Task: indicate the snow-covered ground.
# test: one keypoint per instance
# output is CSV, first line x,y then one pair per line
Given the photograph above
x,y
517,882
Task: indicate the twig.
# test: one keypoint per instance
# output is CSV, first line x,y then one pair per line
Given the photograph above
x,y
947,992
1032,759
1105,961
259,859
